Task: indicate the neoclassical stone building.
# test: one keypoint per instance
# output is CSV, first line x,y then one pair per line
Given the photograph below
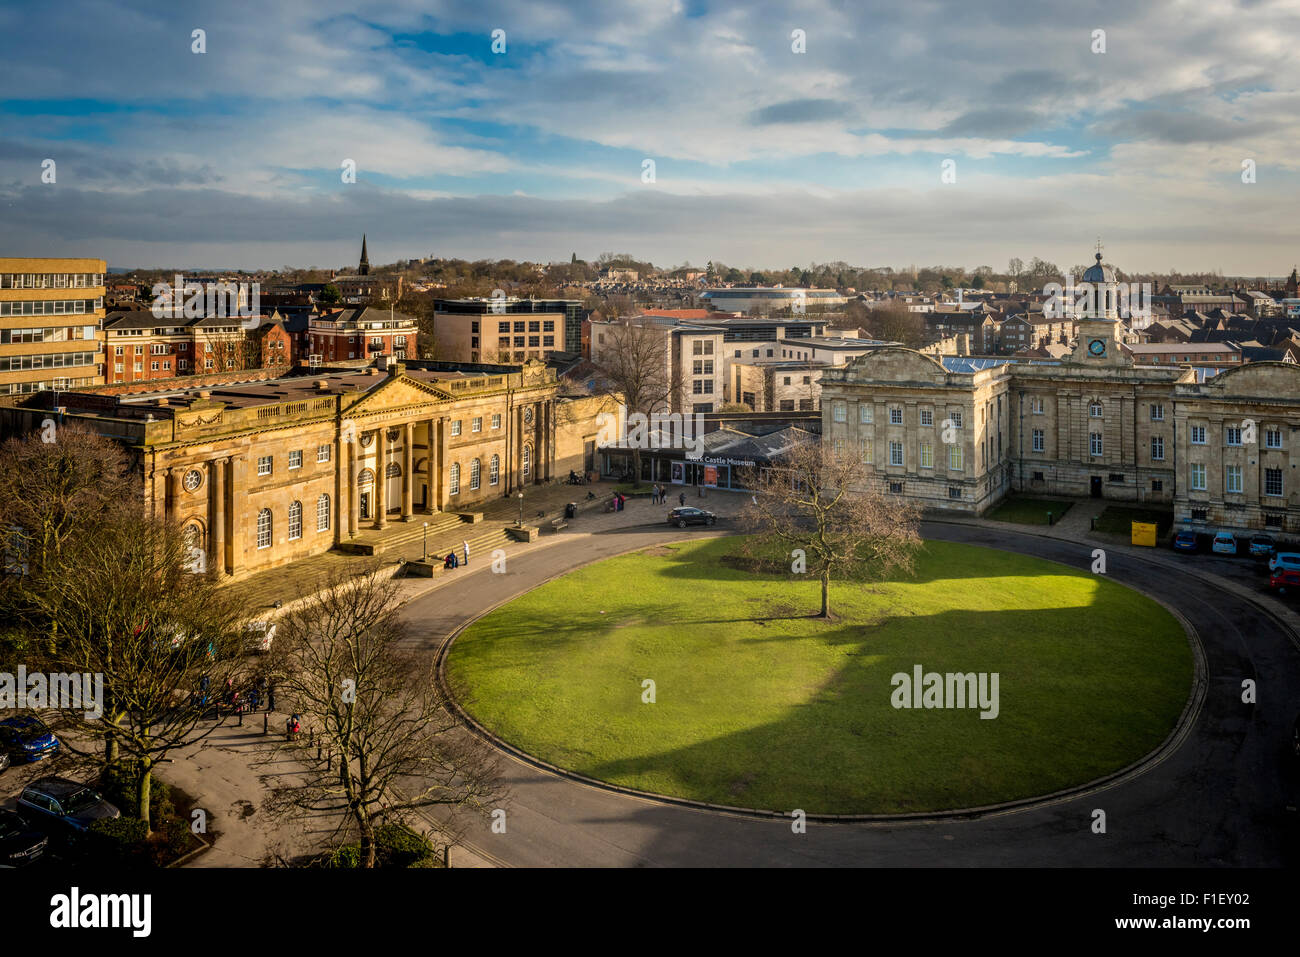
x,y
274,470
960,433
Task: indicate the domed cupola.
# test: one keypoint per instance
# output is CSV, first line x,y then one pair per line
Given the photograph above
x,y
1098,273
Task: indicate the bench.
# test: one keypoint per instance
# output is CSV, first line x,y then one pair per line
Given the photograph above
x,y
558,523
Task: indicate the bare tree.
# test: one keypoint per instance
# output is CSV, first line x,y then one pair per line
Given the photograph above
x,y
814,499
391,744
635,366
894,322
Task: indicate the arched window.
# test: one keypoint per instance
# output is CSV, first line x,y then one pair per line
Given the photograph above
x,y
453,479
494,470
1094,410
475,470
323,514
393,470
528,459
295,521
366,477
264,528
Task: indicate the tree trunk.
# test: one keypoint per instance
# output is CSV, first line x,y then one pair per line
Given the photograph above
x,y
144,789
367,840
826,594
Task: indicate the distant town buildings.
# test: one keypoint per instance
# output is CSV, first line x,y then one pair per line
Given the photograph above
x,y
50,316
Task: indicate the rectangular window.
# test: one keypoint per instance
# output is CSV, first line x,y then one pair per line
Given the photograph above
x,y
895,453
505,327
955,458
927,417
927,456
1273,482
896,488
295,459
496,420
476,424
1198,477
1232,435
840,412
1198,435
955,419
865,447
1039,443
1232,476
895,416
1094,443
1157,448
864,411
954,491
534,341
1157,485
322,453
1036,405
455,427
264,465
1272,438
1272,521
1200,514
1157,412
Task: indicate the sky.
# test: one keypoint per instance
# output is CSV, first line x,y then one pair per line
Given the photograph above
x,y
779,134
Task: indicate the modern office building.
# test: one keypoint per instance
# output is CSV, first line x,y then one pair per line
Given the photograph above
x,y
770,299
506,329
51,316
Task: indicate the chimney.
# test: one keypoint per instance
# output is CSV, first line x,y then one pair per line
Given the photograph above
x,y
963,344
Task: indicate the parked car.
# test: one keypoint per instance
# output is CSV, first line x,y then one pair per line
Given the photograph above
x,y
19,844
4,760
1283,578
689,515
1224,544
26,738
61,803
258,636
1186,541
1262,546
1284,560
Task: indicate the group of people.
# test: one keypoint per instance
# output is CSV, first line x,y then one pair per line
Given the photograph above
x,y
659,495
451,561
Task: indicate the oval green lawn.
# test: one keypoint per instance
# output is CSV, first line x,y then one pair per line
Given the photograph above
x,y
757,706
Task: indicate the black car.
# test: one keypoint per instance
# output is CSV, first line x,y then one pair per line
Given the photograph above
x,y
60,803
19,844
681,517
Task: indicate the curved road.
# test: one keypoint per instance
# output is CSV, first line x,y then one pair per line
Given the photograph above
x,y
1217,800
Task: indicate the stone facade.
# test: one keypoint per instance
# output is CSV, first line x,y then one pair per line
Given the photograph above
x,y
270,471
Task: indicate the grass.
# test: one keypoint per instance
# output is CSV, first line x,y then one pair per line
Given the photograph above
x,y
758,705
1118,519
1029,511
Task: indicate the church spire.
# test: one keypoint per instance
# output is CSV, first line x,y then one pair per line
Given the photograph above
x,y
364,268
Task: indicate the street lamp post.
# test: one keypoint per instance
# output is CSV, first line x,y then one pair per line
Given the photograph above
x,y
426,541
520,495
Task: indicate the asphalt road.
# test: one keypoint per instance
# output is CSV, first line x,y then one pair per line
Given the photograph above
x,y
1217,799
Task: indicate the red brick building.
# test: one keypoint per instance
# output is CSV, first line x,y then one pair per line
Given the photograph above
x,y
360,332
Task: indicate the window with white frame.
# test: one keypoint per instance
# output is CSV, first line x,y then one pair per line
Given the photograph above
x,y
295,459
895,453
1198,477
1272,438
1094,443
453,479
1157,448
264,528
476,424
955,458
927,455
494,470
927,417
455,427
1157,412
322,453
895,416
1039,440
954,417
1232,478
865,447
1198,435
527,459
1273,482
323,514
295,521
264,465
1036,405
1094,410
1232,435
475,475
864,413
496,420
839,412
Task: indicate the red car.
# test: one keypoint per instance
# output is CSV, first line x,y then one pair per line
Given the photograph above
x,y
1280,579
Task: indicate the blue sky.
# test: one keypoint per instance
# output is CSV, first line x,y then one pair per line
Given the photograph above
x,y
763,156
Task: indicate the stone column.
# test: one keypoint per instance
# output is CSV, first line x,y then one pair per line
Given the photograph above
x,y
408,465
431,468
352,480
381,477
173,493
236,493
217,518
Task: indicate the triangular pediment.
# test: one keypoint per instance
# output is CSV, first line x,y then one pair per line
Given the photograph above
x,y
397,392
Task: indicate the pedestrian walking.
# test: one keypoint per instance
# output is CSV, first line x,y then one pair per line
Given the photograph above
x,y
270,696
682,498
466,544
